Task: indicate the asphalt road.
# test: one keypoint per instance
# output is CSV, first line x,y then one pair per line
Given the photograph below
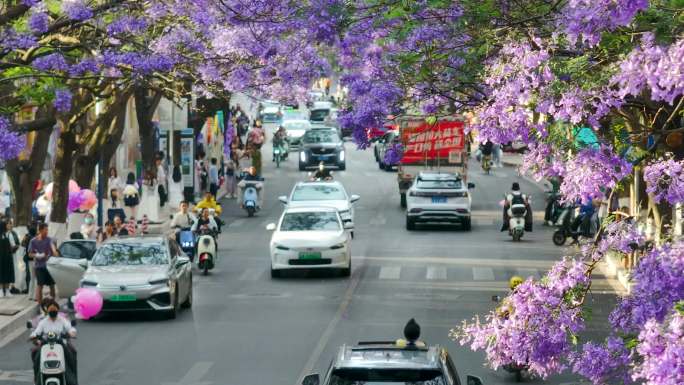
x,y
247,329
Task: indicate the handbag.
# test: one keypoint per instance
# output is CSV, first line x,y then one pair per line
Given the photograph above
x,y
163,196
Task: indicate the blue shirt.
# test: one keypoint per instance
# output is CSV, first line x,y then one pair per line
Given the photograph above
x,y
587,208
213,174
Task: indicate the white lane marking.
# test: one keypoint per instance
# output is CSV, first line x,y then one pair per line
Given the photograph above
x,y
436,273
483,273
390,272
251,274
332,327
194,375
525,273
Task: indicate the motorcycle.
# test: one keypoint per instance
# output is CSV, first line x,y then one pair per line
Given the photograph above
x,y
516,221
250,195
52,364
186,239
206,250
564,226
554,208
279,154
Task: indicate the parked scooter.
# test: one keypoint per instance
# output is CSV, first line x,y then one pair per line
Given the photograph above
x,y
206,250
554,208
52,367
564,225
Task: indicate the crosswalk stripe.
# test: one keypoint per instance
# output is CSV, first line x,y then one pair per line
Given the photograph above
x,y
251,274
436,273
483,273
390,272
525,273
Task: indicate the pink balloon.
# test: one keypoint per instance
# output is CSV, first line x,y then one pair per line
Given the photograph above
x,y
75,201
73,186
89,200
87,303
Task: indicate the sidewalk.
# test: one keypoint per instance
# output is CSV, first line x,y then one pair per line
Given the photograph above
x,y
509,159
14,312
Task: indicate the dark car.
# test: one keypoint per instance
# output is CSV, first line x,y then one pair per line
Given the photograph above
x,y
399,362
382,145
321,145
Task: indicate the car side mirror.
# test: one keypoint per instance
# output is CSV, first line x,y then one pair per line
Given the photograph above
x,y
181,261
311,379
354,198
271,226
283,199
473,380
348,225
471,185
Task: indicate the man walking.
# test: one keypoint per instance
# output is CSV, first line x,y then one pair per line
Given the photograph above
x,y
41,248
213,177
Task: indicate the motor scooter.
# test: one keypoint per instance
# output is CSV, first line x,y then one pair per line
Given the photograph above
x,y
186,239
52,364
206,250
516,221
564,225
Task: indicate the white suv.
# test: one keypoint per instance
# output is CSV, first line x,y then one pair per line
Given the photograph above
x,y
438,197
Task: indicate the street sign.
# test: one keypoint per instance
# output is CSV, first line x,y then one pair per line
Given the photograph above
x,y
187,156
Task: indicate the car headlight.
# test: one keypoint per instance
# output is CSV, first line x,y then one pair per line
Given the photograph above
x,y
337,246
161,281
302,156
342,156
345,215
281,247
88,283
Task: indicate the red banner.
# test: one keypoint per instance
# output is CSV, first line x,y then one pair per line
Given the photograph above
x,y
423,141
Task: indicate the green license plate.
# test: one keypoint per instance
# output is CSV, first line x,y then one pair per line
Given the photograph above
x,y
310,255
123,298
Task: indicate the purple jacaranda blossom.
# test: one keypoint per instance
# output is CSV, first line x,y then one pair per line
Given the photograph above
x,y
592,172
12,144
603,363
585,20
665,180
76,9
51,62
62,101
126,24
661,347
394,154
39,21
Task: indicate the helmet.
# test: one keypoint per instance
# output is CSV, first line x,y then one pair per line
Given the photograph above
x,y
515,281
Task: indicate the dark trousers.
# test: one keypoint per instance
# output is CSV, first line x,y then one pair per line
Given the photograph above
x,y
28,271
213,189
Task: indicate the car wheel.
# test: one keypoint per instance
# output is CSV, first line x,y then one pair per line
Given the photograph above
x,y
188,301
275,273
410,223
466,225
343,166
381,164
402,200
173,313
346,272
302,167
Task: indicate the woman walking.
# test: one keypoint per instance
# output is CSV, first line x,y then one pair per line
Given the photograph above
x,y
131,194
6,261
176,188
149,204
231,178
114,181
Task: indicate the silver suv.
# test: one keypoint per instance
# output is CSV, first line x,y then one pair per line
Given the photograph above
x,y
438,197
401,362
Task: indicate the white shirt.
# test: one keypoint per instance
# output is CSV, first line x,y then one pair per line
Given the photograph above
x,y
58,326
182,220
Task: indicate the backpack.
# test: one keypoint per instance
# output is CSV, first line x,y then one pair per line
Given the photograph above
x,y
517,199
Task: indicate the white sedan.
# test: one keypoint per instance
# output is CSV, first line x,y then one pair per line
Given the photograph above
x,y
326,193
310,238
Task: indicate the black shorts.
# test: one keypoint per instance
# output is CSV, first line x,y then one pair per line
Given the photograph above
x,y
43,277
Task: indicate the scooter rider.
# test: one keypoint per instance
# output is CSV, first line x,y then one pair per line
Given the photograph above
x,y
251,176
322,173
279,139
183,219
54,323
517,197
486,149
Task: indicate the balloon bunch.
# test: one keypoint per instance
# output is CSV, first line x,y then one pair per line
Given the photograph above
x,y
87,303
79,199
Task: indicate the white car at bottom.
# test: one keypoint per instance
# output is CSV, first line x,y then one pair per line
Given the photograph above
x,y
310,238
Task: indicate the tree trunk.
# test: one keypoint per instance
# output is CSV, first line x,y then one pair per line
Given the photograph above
x,y
66,145
84,170
23,175
145,107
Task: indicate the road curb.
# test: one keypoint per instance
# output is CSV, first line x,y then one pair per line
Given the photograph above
x,y
8,331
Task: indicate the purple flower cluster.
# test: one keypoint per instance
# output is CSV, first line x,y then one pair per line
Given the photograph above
x,y
126,24
592,172
39,21
62,101
542,161
602,364
585,20
51,62
621,236
11,39
658,283
535,324
665,180
12,144
394,154
76,9
661,347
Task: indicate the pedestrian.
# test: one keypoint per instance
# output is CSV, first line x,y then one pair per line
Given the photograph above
x,y
231,178
255,154
6,261
89,228
18,285
131,227
41,248
144,224
496,155
106,233
114,182
119,227
162,188
30,274
213,177
176,188
150,202
131,194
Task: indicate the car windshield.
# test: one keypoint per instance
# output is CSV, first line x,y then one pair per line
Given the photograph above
x,y
324,192
320,136
455,184
319,115
386,377
310,221
297,125
126,254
